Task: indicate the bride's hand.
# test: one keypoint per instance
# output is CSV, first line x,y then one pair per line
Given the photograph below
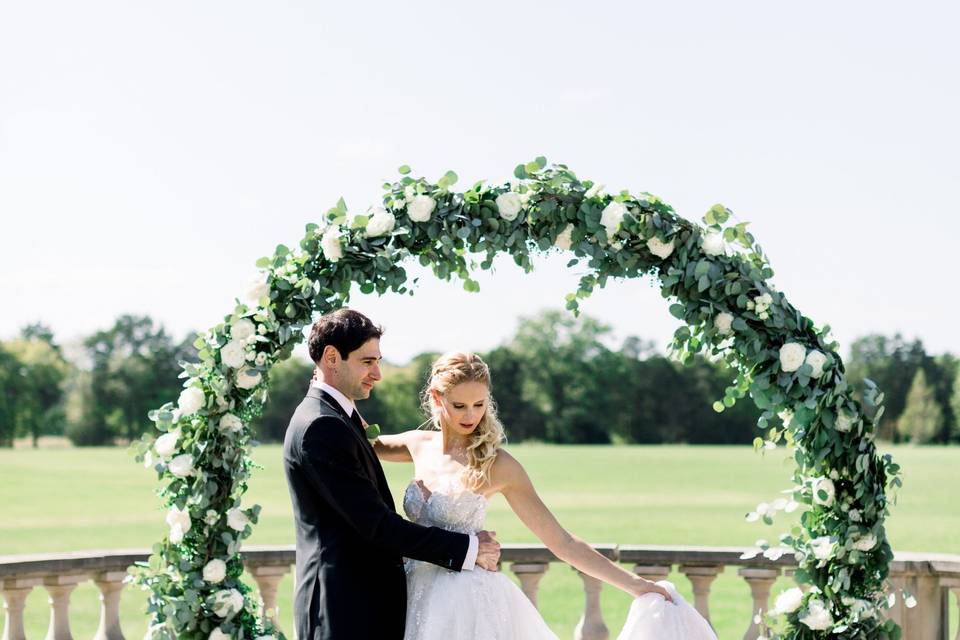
x,y
644,586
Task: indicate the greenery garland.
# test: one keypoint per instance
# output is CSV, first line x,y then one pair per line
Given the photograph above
x,y
715,274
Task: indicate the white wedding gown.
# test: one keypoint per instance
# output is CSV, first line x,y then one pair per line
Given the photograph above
x,y
485,605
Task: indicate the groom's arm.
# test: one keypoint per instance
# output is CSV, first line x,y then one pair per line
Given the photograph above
x,y
331,456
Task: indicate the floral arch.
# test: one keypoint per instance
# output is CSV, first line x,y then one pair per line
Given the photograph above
x,y
715,274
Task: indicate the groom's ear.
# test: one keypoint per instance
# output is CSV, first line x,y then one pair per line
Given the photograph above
x,y
330,356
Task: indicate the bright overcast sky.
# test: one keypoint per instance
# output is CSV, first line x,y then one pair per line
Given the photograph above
x,y
151,152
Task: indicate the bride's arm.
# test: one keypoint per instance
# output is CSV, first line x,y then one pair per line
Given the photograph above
x,y
509,477
398,447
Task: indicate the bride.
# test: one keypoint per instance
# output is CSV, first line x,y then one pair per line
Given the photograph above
x,y
456,471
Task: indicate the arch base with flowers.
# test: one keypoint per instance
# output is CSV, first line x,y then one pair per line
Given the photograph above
x,y
714,273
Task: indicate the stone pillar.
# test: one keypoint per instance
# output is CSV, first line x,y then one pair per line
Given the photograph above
x,y
956,592
268,577
760,581
60,587
529,574
591,625
924,621
110,584
701,578
15,592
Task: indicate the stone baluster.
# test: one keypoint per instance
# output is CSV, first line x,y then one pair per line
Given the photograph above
x,y
591,625
110,584
268,578
60,587
701,578
15,592
529,574
760,581
955,589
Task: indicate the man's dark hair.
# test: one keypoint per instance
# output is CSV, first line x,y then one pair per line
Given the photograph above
x,y
345,329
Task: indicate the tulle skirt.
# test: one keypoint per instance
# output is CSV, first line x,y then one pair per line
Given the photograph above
x,y
478,605
653,618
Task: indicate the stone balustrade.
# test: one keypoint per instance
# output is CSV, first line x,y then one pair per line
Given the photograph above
x,y
930,578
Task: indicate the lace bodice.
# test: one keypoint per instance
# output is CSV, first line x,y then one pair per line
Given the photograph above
x,y
452,508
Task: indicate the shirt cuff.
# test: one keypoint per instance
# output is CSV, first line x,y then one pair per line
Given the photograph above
x,y
470,561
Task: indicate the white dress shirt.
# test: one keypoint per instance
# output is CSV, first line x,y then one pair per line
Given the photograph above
x,y
470,561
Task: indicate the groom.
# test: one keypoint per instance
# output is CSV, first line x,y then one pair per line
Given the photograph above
x,y
350,581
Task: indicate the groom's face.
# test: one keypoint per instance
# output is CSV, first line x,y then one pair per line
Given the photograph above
x,y
360,371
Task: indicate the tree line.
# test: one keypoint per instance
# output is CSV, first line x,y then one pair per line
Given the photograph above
x,y
555,380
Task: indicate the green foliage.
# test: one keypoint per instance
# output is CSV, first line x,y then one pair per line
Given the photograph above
x,y
788,366
35,370
922,418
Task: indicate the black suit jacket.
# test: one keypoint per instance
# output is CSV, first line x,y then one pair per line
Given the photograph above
x,y
350,582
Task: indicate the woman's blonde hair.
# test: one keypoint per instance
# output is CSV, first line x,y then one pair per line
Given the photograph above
x,y
448,371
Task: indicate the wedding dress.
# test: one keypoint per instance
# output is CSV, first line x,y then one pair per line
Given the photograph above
x,y
485,605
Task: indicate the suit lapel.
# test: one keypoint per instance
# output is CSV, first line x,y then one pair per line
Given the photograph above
x,y
373,463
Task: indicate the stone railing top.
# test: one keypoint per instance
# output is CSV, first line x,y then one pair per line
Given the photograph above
x,y
97,561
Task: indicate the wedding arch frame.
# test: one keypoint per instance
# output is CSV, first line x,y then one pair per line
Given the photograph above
x,y
718,280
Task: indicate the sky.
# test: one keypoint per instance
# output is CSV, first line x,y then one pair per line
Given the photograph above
x,y
151,152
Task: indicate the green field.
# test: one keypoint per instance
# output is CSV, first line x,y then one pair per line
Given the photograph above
x,y
74,499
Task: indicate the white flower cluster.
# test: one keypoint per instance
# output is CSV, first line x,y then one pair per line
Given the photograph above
x,y
817,616
565,238
659,248
723,322
761,305
713,244
612,217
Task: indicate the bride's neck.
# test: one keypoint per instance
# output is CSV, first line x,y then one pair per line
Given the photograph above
x,y
453,443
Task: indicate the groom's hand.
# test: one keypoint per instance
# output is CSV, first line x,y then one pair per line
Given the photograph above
x,y
488,552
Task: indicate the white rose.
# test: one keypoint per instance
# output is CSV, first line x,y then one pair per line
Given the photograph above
x,y
421,208
612,217
330,244
565,238
818,616
227,603
844,422
167,443
381,223
242,329
191,400
593,191
237,519
509,205
215,571
256,290
821,547
866,543
788,601
233,354
179,523
230,422
792,355
713,244
211,517
826,486
816,360
182,465
216,634
660,248
248,380
723,322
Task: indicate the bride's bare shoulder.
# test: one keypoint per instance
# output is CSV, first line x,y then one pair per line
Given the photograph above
x,y
505,469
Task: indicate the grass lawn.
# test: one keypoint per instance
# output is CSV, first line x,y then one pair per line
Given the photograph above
x,y
74,499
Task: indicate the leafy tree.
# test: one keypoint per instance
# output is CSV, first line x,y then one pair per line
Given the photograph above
x,y
12,382
135,369
42,370
892,363
923,418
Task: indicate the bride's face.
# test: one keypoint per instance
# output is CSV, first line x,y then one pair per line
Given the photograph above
x,y
462,407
